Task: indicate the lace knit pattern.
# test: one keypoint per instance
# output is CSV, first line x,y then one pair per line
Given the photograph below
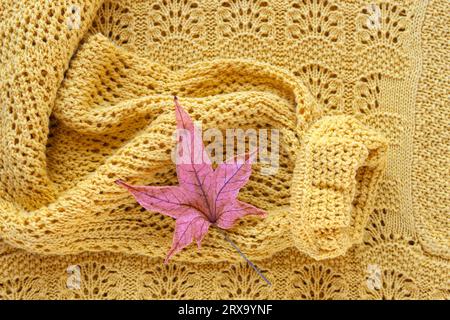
x,y
356,88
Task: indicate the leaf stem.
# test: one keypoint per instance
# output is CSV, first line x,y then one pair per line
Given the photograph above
x,y
245,257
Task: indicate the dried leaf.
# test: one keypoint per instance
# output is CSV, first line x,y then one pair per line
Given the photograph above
x,y
204,196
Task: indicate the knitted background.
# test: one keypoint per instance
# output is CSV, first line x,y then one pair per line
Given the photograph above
x,y
359,207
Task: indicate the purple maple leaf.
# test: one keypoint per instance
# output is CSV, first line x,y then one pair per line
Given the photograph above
x,y
204,197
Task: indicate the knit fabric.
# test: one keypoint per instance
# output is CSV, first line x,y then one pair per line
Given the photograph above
x,y
357,209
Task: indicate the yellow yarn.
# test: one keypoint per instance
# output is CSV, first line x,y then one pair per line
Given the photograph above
x,y
86,94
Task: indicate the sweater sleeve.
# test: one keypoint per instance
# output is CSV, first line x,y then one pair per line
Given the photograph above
x,y
112,118
77,115
337,171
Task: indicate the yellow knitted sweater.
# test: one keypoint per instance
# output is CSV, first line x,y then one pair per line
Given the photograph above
x,y
359,91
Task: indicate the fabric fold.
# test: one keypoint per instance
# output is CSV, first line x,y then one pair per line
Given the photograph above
x,y
114,113
334,185
28,86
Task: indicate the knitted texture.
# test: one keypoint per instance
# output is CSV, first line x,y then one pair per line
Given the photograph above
x,y
356,89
